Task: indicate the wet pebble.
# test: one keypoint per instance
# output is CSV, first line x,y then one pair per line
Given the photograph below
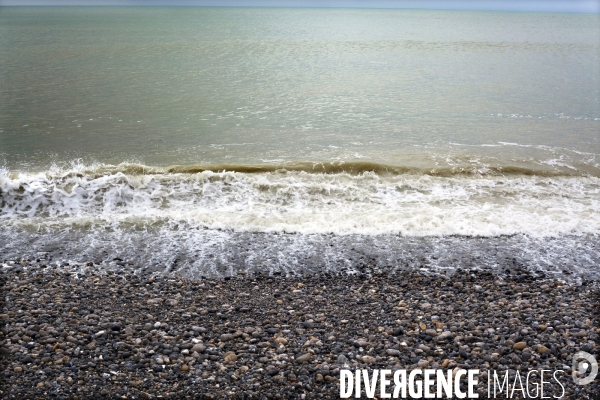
x,y
82,336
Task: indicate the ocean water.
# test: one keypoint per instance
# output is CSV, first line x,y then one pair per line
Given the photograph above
x,y
210,141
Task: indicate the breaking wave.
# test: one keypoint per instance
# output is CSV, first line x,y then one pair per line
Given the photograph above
x,y
339,198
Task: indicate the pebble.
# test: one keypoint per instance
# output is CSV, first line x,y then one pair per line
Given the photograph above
x,y
393,352
304,358
519,345
342,359
226,337
95,334
543,349
198,348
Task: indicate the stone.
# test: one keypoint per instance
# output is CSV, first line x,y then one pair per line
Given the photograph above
x,y
342,359
587,347
304,358
393,352
71,339
424,348
519,345
198,348
445,335
542,349
282,358
226,337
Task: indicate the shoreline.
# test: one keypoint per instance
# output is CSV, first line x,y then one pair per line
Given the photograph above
x,y
209,253
113,333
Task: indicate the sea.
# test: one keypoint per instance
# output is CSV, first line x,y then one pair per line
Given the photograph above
x,y
210,141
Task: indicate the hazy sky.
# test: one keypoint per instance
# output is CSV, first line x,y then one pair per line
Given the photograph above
x,y
516,5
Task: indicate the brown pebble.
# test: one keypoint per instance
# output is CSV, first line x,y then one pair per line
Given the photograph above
x,y
519,345
304,358
230,356
543,349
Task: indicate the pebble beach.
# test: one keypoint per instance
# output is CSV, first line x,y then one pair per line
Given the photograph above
x,y
70,333
248,202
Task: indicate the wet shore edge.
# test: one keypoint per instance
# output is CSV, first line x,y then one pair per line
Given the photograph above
x,y
119,334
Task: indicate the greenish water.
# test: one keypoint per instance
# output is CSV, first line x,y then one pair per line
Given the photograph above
x,y
263,138
162,86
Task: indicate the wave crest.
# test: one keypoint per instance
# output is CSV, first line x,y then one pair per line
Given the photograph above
x,y
340,198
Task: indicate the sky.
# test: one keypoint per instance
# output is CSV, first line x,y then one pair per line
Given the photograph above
x,y
589,6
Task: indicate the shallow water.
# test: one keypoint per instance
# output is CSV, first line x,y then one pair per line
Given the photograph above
x,y
160,130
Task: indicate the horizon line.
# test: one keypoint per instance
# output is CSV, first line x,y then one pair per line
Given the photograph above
x,y
552,6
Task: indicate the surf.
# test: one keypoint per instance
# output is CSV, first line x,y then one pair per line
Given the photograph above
x,y
309,198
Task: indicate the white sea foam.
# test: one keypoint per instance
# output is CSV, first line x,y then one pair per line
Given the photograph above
x,y
304,202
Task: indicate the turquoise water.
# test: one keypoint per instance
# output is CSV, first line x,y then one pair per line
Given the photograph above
x,y
371,124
